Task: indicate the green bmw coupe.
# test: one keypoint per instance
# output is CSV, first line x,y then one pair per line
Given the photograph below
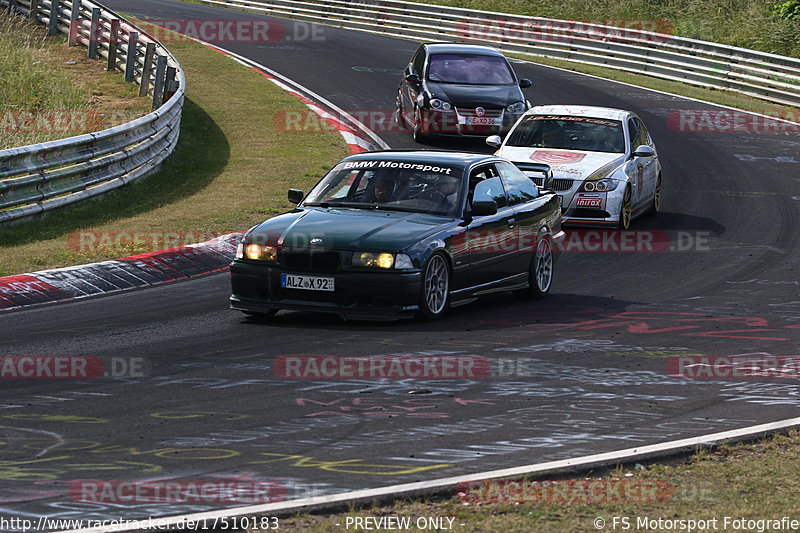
x,y
386,235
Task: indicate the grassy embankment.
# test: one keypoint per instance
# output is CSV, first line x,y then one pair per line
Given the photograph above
x,y
230,170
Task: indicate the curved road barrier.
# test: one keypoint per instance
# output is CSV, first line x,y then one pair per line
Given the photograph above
x,y
44,176
761,75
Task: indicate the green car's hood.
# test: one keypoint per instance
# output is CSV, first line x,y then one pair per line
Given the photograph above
x,y
347,229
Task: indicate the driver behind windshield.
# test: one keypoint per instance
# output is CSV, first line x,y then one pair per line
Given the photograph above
x,y
382,190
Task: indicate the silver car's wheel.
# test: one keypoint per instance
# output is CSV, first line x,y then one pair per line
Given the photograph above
x,y
626,210
435,292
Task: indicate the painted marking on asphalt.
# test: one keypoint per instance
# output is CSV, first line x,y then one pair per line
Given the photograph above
x,y
443,483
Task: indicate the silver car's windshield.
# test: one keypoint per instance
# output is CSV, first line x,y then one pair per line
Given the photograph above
x,y
390,185
569,133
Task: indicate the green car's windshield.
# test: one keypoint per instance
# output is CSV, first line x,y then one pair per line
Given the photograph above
x,y
390,185
569,133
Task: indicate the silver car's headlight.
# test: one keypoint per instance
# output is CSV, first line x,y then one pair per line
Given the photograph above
x,y
600,185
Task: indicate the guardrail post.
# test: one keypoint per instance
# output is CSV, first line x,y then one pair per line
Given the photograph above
x,y
169,85
130,60
112,46
94,33
146,66
34,9
158,85
55,11
74,19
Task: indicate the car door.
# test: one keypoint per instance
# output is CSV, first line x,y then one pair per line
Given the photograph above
x,y
409,90
530,210
650,164
634,168
491,239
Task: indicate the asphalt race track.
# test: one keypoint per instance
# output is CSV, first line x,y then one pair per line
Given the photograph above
x,y
587,370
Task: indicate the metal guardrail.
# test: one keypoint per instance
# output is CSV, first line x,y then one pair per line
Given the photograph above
x,y
769,77
44,176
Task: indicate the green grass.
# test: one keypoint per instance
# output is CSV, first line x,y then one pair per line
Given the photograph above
x,y
50,91
231,170
27,83
751,481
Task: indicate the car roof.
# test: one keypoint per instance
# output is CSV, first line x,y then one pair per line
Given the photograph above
x,y
440,157
456,48
580,110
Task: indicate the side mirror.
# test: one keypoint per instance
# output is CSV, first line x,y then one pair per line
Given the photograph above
x,y
413,78
296,196
494,141
644,151
524,83
482,209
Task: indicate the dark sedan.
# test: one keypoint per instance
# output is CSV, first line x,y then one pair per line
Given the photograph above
x,y
453,89
390,234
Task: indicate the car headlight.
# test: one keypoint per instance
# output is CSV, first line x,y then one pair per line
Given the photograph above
x,y
383,260
440,105
517,107
259,252
240,251
600,185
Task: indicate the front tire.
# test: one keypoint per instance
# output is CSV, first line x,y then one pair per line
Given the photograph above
x,y
541,271
435,290
626,209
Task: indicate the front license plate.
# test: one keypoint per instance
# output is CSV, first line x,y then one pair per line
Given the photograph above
x,y
308,283
482,121
589,202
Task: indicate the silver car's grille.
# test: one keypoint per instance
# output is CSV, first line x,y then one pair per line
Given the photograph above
x,y
562,184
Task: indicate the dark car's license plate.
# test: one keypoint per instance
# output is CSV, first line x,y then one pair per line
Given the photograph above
x,y
308,283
